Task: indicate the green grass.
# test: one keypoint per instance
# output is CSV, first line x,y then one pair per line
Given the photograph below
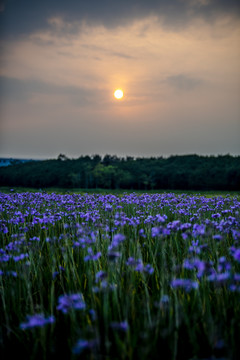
x,y
210,193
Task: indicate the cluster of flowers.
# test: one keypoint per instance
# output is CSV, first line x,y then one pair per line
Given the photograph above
x,y
66,303
137,265
194,219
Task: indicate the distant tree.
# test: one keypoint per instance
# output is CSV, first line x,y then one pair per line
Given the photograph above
x,y
62,157
105,176
176,172
96,159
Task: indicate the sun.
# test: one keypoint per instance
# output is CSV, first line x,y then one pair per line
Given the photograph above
x,y
118,94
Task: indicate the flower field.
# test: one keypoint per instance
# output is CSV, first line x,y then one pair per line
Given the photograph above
x,y
127,276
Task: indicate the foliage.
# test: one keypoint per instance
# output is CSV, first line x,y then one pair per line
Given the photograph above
x,y
110,172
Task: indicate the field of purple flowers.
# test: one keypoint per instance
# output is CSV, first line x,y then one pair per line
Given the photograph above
x,y
125,276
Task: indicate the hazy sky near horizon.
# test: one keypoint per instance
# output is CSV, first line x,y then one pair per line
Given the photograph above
x,y
176,61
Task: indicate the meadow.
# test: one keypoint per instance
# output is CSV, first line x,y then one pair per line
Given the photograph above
x,y
119,276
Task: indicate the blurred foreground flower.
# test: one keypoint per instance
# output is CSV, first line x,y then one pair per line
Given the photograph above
x,y
91,255
137,265
122,326
83,345
186,284
37,320
68,302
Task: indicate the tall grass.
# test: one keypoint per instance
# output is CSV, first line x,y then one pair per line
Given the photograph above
x,y
130,276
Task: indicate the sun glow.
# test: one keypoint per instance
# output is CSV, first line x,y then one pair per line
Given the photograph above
x,y
118,94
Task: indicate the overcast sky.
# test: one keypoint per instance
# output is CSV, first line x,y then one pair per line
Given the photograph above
x,y
177,62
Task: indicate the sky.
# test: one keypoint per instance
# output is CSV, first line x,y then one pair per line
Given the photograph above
x,y
176,61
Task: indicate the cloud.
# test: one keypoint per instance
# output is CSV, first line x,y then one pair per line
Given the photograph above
x,y
27,16
106,51
62,60
17,90
183,82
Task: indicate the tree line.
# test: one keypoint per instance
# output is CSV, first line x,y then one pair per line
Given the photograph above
x,y
183,172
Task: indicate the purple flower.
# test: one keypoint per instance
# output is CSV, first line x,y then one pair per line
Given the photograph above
x,y
163,303
149,269
195,264
186,284
217,215
195,248
5,258
68,302
116,241
185,235
174,225
236,255
132,262
35,238
137,264
217,237
93,314
37,320
236,277
223,264
82,345
122,326
141,233
12,273
118,238
199,229
92,256
139,267
20,257
9,273
235,234
185,226
101,275
164,299
108,208
56,273
219,278
234,288
103,286
155,231
161,218
5,230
